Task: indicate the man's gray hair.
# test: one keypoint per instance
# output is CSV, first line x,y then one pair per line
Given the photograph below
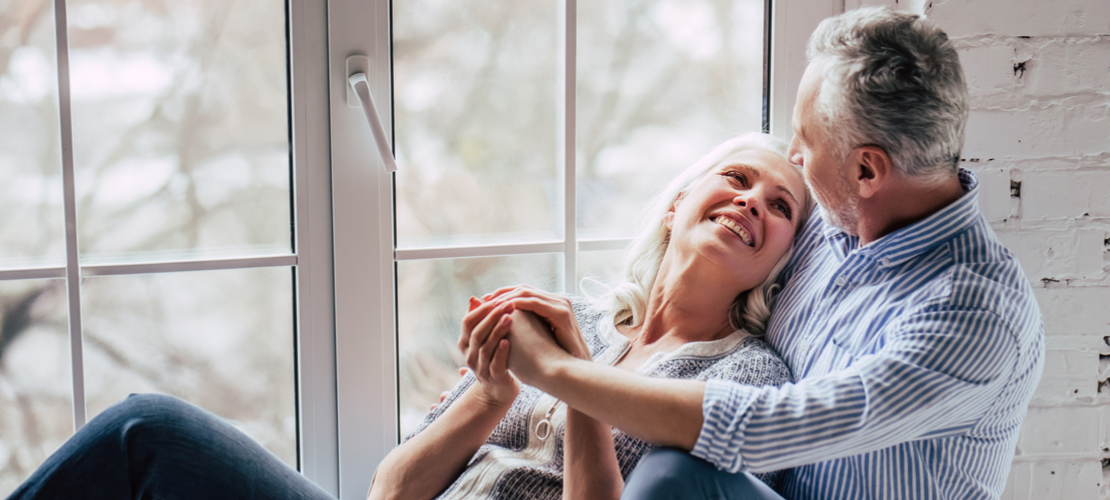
x,y
892,80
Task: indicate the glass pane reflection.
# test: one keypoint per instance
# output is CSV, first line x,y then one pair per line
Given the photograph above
x,y
432,299
32,226
180,127
36,385
475,113
599,269
660,83
222,340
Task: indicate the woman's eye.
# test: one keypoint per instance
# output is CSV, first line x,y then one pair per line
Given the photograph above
x,y
743,179
785,209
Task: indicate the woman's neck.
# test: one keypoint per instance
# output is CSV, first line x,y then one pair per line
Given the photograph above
x,y
685,305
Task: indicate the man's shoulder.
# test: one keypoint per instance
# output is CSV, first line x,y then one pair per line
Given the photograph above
x,y
986,275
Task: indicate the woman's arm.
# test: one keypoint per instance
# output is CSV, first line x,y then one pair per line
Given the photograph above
x,y
590,468
429,462
425,465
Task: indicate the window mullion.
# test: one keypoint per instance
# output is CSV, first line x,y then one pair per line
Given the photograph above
x,y
314,286
792,22
362,222
73,269
568,152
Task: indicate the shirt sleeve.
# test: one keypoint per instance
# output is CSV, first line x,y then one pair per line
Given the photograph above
x,y
938,374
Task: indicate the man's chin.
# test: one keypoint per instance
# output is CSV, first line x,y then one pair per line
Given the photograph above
x,y
844,220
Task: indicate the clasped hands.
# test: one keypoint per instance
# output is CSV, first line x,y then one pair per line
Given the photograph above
x,y
516,333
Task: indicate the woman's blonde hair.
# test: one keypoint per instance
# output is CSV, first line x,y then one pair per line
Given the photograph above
x,y
628,301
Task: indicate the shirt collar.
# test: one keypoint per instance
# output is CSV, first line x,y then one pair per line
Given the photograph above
x,y
916,238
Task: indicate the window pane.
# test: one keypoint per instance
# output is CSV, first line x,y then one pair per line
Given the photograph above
x,y
36,385
180,128
220,339
475,111
599,269
32,226
432,299
660,83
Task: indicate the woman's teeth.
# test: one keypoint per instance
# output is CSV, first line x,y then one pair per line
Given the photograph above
x,y
734,227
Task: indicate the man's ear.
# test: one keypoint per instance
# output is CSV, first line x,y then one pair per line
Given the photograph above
x,y
872,169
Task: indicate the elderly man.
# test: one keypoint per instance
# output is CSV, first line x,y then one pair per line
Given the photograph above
x,y
912,333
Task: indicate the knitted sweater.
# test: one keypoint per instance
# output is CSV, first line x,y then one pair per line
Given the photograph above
x,y
514,463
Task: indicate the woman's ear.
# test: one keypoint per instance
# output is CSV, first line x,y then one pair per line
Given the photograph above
x,y
668,218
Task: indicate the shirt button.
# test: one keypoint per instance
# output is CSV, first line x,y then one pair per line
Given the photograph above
x,y
840,280
885,262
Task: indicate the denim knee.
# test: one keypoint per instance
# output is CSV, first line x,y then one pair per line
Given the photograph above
x,y
665,473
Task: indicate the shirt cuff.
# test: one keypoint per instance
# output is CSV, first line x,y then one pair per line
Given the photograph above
x,y
726,411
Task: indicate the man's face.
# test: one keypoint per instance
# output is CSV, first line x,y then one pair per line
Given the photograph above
x,y
825,172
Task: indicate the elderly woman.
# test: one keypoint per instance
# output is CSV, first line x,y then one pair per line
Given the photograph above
x,y
699,284
700,280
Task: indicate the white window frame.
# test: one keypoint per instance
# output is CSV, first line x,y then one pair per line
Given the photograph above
x,y
365,255
310,258
344,256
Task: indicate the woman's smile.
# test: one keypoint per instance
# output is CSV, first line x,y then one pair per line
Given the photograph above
x,y
736,227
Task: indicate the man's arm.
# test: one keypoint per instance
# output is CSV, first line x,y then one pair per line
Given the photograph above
x,y
929,381
663,412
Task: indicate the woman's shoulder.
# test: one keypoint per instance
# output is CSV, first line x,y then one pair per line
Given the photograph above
x,y
585,312
753,362
589,323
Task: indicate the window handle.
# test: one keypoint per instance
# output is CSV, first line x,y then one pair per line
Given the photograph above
x,y
362,89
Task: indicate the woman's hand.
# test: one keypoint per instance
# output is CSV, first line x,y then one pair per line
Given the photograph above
x,y
555,309
487,352
443,395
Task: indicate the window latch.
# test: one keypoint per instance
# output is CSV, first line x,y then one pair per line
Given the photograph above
x,y
362,97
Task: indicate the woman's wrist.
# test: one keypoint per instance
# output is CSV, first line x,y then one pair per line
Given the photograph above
x,y
490,400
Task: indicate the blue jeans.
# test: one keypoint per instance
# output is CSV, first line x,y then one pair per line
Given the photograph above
x,y
669,474
151,446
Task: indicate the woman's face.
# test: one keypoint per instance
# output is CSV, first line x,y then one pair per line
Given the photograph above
x,y
742,215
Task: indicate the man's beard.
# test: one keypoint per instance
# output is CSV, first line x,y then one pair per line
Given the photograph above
x,y
842,211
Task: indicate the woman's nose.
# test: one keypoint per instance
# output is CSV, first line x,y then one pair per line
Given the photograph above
x,y
750,202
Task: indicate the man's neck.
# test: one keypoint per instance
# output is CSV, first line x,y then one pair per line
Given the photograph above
x,y
904,203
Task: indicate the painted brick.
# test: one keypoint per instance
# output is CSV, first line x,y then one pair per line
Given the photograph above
x,y
1060,68
994,190
1020,17
1075,310
1065,194
1070,373
1054,479
1057,254
1104,432
988,70
1089,341
1060,430
1042,130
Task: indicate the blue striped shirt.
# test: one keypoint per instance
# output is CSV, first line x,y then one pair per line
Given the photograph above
x,y
915,358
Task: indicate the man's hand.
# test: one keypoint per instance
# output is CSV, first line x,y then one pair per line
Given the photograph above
x,y
534,351
554,309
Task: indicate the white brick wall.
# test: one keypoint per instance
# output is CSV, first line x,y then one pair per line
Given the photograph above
x,y
1039,76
